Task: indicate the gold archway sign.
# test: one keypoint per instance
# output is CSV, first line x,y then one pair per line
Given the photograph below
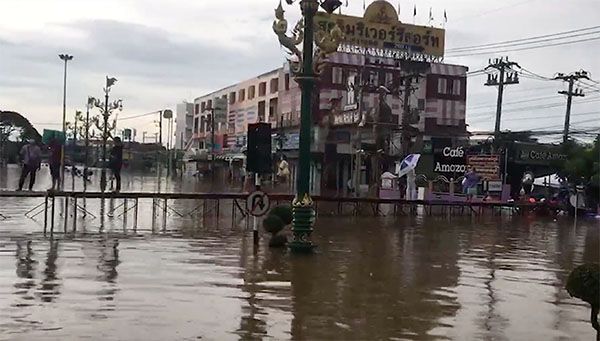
x,y
380,28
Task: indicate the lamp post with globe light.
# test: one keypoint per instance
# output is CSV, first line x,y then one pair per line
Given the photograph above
x,y
306,66
106,109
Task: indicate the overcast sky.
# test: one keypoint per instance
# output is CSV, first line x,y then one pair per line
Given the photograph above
x,y
163,52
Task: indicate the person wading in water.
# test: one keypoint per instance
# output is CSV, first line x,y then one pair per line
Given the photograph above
x,y
55,149
31,156
116,162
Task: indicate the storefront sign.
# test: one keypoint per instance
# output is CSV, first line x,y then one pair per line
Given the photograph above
x,y
346,117
487,166
540,154
450,161
381,29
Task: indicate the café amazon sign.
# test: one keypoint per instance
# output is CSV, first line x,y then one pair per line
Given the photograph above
x,y
379,32
537,154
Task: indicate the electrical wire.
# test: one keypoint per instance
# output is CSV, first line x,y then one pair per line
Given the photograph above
x,y
456,49
525,48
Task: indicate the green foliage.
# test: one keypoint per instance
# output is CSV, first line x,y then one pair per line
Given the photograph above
x,y
582,165
584,283
284,212
273,224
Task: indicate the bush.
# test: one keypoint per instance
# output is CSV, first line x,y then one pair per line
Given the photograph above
x,y
273,224
284,213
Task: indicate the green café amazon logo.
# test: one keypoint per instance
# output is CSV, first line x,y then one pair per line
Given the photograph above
x,y
541,155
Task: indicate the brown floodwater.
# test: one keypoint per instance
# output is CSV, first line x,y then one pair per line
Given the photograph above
x,y
387,278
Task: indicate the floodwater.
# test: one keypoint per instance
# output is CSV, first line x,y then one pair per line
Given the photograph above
x,y
388,278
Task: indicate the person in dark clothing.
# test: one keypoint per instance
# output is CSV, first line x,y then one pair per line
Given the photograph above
x,y
31,157
54,162
116,162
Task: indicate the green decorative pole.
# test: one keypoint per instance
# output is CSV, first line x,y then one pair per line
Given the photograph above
x,y
307,67
302,205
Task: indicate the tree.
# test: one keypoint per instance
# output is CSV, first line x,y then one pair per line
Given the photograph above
x,y
14,126
582,167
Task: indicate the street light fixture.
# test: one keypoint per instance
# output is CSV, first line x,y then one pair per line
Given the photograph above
x,y
66,58
306,69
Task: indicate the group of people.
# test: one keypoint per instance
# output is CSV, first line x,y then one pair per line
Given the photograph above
x,y
31,161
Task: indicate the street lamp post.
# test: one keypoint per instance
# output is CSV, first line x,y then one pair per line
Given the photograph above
x,y
306,69
106,109
65,58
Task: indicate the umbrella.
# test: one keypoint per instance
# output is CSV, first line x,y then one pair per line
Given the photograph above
x,y
409,163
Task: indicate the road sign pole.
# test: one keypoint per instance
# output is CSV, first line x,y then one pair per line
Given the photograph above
x,y
255,219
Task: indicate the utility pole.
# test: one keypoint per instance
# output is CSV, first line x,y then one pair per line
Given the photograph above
x,y
407,81
66,58
571,79
505,76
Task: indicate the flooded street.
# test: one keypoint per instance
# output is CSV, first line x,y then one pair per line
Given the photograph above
x,y
387,278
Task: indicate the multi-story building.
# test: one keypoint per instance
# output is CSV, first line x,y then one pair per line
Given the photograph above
x,y
184,122
251,101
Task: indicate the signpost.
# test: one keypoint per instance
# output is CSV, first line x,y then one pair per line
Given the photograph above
x,y
258,204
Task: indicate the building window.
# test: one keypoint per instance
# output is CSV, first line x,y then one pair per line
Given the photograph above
x,y
196,123
446,87
261,111
421,104
351,97
274,86
456,87
232,97
262,89
209,104
389,79
442,86
287,82
272,108
202,106
242,95
251,92
197,108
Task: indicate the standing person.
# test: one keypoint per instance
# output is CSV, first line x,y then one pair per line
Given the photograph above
x,y
55,149
411,185
116,162
527,181
470,183
283,172
31,156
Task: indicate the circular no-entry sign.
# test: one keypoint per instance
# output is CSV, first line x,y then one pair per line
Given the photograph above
x,y
258,203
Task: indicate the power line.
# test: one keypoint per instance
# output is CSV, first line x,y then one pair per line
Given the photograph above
x,y
536,107
520,40
137,116
526,48
510,103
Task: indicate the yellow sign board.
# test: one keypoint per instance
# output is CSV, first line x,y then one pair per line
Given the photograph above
x,y
380,28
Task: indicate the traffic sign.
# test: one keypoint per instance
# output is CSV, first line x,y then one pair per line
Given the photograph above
x,y
258,203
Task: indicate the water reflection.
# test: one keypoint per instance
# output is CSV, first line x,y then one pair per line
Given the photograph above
x,y
25,268
50,284
107,265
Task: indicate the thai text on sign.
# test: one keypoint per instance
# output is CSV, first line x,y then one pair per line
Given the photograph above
x,y
396,35
487,166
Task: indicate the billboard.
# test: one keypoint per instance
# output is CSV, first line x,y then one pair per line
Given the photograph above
x,y
380,28
487,166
